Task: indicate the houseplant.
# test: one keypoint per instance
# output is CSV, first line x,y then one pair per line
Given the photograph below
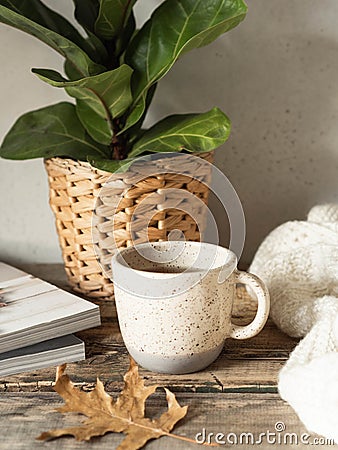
x,y
112,75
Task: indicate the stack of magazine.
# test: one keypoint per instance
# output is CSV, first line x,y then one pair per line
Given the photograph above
x,y
36,322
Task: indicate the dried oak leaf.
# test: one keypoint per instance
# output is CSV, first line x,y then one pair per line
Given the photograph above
x,y
126,414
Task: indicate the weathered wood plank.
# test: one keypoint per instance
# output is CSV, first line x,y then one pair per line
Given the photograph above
x,y
247,366
250,366
225,375
236,394
25,416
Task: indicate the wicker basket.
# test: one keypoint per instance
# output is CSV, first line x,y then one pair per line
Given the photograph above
x,y
97,211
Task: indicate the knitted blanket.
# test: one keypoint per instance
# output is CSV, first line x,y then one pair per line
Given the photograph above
x,y
299,263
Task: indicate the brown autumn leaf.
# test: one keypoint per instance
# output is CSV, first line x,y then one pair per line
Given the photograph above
x,y
125,415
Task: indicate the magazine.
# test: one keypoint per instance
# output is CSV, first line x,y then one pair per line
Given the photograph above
x,y
35,311
56,351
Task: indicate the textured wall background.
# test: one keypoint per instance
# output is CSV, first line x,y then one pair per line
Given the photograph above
x,y
276,76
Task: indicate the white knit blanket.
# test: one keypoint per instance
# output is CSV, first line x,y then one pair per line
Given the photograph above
x,y
299,263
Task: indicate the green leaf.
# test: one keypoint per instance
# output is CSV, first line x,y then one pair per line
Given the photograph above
x,y
101,98
96,47
136,112
191,132
123,38
134,131
41,14
51,131
113,16
175,27
36,11
97,127
71,71
86,13
74,54
110,165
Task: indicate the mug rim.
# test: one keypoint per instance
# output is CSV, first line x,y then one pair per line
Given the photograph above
x,y
230,263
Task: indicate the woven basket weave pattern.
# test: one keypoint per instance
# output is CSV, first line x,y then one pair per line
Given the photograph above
x,y
97,211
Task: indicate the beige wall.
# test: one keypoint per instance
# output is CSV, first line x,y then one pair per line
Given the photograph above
x,y
276,76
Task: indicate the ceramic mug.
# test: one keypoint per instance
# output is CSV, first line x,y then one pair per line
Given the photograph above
x,y
174,301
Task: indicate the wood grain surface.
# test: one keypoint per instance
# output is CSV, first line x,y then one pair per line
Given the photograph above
x,y
237,393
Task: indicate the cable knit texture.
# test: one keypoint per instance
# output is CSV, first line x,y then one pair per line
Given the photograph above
x,y
299,263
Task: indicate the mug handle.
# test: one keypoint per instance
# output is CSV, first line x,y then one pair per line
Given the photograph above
x,y
262,314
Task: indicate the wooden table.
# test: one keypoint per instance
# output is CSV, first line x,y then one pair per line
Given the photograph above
x,y
236,394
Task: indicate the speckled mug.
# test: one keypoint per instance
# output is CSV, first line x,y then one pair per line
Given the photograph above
x,y
174,301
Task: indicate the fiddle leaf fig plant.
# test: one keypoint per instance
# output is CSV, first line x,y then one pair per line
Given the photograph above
x,y
111,71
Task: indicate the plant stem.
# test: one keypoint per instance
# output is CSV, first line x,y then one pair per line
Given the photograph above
x,y
113,62
118,144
